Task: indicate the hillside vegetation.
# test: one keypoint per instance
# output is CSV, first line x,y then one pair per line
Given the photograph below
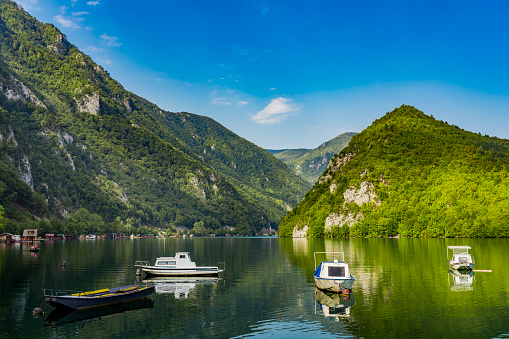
x,y
80,153
413,176
309,164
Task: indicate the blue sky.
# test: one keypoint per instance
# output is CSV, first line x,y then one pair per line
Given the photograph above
x,y
294,74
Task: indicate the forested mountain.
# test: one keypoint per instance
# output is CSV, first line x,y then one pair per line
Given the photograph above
x,y
77,149
309,164
409,175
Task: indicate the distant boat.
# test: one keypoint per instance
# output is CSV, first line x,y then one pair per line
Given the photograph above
x,y
91,237
333,276
16,238
179,265
34,248
461,259
107,296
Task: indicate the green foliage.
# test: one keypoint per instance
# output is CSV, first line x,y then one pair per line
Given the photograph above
x,y
310,164
128,165
431,180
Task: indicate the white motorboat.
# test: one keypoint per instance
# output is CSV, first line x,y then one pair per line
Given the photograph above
x,y
461,259
91,237
179,265
333,276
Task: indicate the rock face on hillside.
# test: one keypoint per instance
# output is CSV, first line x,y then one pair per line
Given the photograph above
x,y
364,194
14,89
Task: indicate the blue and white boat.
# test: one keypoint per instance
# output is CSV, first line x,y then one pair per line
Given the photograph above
x,y
178,266
333,276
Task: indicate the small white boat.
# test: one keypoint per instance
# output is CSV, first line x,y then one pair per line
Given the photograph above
x,y
91,237
179,265
461,259
333,276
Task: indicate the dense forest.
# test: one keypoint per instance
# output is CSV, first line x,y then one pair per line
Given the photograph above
x,y
79,153
409,175
309,164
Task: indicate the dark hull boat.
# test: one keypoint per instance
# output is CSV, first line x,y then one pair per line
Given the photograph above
x,y
80,300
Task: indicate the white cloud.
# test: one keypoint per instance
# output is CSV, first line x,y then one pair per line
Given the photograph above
x,y
93,3
66,22
242,103
276,111
220,101
63,9
78,13
110,40
272,88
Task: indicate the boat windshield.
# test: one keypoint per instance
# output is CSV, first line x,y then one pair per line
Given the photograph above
x,y
166,263
463,259
335,271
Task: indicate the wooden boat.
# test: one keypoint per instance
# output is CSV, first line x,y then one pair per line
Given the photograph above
x,y
179,265
34,248
333,276
460,259
107,296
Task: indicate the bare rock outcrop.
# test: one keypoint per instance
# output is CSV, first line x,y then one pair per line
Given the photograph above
x,y
335,165
89,103
300,232
14,89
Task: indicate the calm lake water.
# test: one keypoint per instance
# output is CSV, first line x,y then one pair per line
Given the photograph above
x,y
403,289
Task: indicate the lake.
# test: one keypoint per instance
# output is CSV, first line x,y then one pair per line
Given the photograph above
x,y
403,289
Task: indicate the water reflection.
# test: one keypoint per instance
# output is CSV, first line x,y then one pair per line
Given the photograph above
x,y
461,280
333,305
61,316
179,286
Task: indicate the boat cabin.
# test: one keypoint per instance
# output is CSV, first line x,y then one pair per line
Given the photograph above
x,y
334,270
180,260
460,254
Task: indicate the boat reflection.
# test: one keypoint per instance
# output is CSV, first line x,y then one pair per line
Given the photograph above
x,y
63,315
179,286
333,304
461,280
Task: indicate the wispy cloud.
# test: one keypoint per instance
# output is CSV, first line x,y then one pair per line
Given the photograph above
x,y
29,4
276,111
220,101
110,40
79,13
66,22
242,103
93,3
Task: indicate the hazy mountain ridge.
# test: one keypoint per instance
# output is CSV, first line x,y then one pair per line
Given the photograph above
x,y
409,175
81,140
309,164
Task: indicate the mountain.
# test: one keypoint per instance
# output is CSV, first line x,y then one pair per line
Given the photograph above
x,y
78,151
309,164
409,175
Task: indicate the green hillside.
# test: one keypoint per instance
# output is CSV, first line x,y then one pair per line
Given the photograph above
x,y
413,176
95,156
310,164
